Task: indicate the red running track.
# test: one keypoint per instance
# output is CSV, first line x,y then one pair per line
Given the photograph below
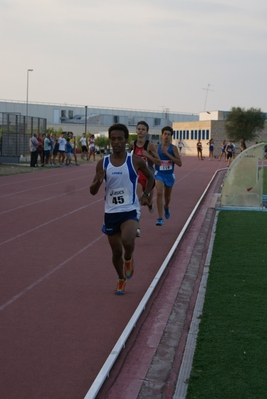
x,y
59,317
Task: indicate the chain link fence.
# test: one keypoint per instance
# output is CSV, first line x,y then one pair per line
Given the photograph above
x,y
16,131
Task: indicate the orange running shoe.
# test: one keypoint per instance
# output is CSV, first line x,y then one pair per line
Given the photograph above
x,y
121,284
129,268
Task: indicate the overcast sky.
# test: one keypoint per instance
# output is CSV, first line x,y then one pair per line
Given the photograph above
x,y
140,54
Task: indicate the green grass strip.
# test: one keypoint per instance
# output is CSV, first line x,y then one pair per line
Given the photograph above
x,y
230,360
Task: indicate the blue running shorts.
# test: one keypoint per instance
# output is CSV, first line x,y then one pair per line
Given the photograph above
x,y
168,180
113,221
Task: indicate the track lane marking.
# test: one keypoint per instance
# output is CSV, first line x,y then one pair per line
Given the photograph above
x,y
45,276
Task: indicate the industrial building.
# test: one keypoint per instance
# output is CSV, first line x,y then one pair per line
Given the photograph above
x,y
188,127
80,119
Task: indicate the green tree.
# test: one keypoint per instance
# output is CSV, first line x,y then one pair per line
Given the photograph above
x,y
102,141
244,125
132,137
52,130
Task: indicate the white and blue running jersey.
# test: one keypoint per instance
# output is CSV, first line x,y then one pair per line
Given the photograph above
x,y
121,183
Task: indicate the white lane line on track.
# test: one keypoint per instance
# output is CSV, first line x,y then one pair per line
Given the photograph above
x,y
46,185
50,198
29,231
42,200
45,276
49,177
189,173
20,181
46,223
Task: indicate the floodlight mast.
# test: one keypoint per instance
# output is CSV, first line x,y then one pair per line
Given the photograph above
x,y
27,94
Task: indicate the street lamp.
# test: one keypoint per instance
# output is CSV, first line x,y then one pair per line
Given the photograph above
x,y
85,120
28,70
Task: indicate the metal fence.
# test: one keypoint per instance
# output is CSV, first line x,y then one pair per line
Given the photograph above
x,y
17,130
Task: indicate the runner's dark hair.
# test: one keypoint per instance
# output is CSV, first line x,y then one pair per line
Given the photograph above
x,y
143,123
119,126
168,128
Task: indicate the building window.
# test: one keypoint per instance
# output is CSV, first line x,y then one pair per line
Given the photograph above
x,y
195,134
157,121
183,134
207,134
192,134
199,135
155,138
187,134
203,134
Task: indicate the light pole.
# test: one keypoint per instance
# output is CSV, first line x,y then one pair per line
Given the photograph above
x,y
27,94
85,120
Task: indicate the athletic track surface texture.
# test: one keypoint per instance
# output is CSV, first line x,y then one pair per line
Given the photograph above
x,y
59,317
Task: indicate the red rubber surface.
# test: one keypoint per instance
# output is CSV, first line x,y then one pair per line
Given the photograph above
x,y
59,317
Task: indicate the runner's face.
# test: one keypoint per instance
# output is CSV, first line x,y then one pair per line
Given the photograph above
x,y
141,131
117,141
166,137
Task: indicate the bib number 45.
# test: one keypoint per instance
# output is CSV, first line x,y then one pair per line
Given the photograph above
x,y
118,200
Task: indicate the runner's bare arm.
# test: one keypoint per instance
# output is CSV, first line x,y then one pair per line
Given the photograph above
x,y
152,154
140,164
98,179
132,145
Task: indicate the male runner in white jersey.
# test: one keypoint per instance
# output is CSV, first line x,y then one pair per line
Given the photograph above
x,y
122,205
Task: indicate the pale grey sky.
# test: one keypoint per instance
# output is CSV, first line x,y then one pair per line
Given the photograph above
x,y
141,54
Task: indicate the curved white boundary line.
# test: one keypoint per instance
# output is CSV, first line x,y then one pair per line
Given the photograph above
x,y
120,344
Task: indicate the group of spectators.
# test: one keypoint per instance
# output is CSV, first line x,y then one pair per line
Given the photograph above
x,y
52,150
88,147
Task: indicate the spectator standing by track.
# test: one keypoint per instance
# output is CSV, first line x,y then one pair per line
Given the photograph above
x,y
34,150
180,146
84,146
55,151
47,149
91,146
61,149
73,147
210,143
229,152
223,153
199,150
68,152
40,149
